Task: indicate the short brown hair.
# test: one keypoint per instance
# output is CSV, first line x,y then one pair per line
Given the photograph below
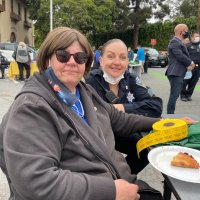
x,y
61,38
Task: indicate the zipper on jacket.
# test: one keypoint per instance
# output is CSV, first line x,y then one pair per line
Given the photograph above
x,y
115,175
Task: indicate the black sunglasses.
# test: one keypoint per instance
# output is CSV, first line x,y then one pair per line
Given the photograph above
x,y
64,56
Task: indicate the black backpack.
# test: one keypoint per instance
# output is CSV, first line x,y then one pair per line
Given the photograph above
x,y
151,107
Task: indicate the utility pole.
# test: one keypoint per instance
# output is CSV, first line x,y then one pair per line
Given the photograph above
x,y
51,15
198,19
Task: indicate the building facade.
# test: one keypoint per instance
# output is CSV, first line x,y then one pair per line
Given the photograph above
x,y
15,25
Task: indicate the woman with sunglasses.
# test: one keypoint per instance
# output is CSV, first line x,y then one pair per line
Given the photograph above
x,y
57,141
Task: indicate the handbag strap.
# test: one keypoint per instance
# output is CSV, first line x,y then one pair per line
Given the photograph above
x,y
110,96
105,90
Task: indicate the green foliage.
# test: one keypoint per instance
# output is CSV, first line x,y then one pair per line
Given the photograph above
x,y
88,16
191,22
42,25
101,20
33,6
161,31
189,8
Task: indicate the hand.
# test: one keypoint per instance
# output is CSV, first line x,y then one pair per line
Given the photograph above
x,y
188,120
191,67
119,107
126,190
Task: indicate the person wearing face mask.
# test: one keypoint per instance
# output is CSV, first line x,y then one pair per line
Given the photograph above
x,y
189,84
179,63
116,85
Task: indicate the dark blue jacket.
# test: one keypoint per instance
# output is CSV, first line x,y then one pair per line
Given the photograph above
x,y
3,61
179,58
132,95
130,55
194,51
96,63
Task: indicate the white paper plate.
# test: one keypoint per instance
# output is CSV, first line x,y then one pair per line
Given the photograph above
x,y
161,157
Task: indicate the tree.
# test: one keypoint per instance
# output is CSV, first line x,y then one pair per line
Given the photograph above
x,y
88,16
189,8
174,6
198,21
33,6
94,17
139,11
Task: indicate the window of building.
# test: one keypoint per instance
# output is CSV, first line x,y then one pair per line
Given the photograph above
x,y
12,5
12,37
3,6
19,9
25,14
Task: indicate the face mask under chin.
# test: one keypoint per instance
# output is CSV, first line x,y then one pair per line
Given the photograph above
x,y
196,40
111,79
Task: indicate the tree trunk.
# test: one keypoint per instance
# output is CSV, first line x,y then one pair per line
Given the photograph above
x,y
198,20
135,36
136,25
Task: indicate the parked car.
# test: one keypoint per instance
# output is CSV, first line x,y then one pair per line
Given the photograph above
x,y
8,55
3,60
8,48
156,58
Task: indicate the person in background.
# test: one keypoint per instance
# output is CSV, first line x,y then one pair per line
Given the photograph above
x,y
96,63
146,63
179,63
64,147
135,50
116,85
186,41
130,54
141,58
189,84
23,60
3,65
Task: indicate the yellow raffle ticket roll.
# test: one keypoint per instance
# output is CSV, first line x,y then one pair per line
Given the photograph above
x,y
166,130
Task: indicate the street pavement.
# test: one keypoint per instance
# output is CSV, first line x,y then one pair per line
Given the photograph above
x,y
154,79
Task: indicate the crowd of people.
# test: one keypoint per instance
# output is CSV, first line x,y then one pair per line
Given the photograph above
x,y
80,122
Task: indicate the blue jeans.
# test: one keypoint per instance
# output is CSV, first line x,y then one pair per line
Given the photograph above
x,y
189,84
176,85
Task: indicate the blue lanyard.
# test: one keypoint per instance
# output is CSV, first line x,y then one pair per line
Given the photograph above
x,y
65,94
77,107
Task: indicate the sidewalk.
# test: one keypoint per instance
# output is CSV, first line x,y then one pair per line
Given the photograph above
x,y
8,90
160,84
155,79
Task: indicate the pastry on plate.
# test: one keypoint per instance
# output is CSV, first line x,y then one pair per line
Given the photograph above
x,y
184,160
